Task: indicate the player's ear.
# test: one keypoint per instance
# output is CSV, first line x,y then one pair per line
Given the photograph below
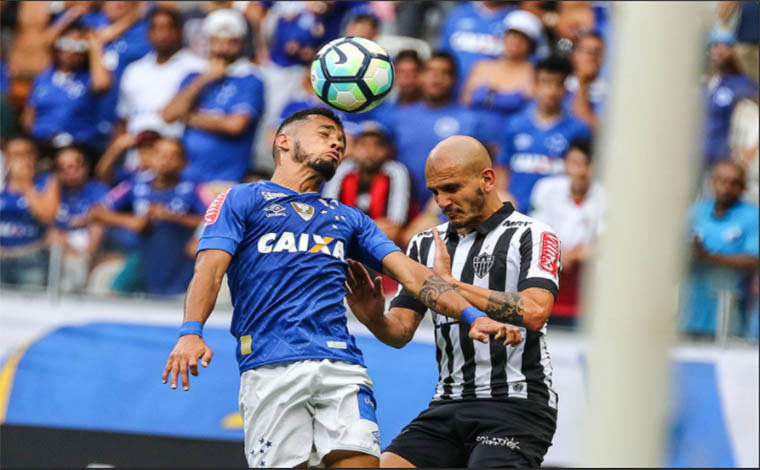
x,y
488,179
282,143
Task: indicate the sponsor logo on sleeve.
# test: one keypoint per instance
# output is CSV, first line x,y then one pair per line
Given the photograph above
x,y
549,260
212,213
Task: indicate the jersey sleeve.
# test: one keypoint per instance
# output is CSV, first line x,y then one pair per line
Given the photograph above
x,y
369,244
539,259
751,242
188,79
120,198
225,222
403,298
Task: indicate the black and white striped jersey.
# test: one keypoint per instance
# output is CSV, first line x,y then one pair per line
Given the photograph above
x,y
509,252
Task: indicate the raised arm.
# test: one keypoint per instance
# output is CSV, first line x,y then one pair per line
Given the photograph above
x,y
436,294
210,266
184,101
529,308
365,297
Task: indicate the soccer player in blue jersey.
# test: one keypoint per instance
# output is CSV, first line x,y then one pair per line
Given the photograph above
x,y
305,395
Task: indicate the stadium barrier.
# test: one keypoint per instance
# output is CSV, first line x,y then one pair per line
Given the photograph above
x,y
80,385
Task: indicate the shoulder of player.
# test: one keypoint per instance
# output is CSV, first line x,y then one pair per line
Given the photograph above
x,y
524,223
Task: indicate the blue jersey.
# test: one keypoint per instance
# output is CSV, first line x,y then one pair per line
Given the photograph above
x,y
532,152
214,156
76,203
734,234
18,227
721,96
117,54
288,270
418,128
64,103
166,269
5,82
471,33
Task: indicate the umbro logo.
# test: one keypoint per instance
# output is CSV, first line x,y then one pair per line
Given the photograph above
x,y
275,210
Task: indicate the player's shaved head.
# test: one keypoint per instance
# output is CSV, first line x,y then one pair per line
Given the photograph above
x,y
459,153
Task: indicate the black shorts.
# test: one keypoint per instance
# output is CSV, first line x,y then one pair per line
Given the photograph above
x,y
513,433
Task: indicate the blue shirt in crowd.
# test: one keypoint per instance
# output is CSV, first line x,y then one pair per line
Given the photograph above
x,y
18,227
734,234
166,269
5,83
722,95
214,156
64,103
418,128
117,54
531,151
288,270
471,33
77,202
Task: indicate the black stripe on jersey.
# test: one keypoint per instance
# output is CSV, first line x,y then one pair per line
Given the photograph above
x,y
425,245
451,245
526,254
532,368
468,349
497,281
414,253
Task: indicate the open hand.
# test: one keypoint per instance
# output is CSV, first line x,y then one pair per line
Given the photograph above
x,y
364,294
442,260
185,355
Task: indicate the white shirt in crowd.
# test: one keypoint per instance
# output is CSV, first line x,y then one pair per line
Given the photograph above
x,y
147,87
575,223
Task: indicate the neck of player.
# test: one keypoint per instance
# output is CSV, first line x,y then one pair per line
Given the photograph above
x,y
493,204
299,178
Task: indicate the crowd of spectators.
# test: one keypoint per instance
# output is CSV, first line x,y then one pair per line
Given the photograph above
x,y
120,121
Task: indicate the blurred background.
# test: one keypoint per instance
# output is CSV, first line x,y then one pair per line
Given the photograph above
x,y
121,121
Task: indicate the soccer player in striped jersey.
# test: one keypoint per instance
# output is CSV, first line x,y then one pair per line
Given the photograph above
x,y
494,406
305,395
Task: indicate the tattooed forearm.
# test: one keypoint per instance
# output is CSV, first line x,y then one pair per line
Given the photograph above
x,y
432,289
506,307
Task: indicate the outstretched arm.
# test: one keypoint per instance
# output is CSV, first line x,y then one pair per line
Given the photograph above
x,y
210,266
436,294
529,308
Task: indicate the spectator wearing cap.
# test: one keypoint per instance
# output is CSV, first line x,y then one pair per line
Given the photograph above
x,y
724,253
726,87
587,90
220,106
196,40
473,31
28,205
501,87
79,236
573,204
536,139
372,180
148,84
61,106
164,212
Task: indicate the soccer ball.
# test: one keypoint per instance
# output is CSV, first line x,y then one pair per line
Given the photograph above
x,y
352,74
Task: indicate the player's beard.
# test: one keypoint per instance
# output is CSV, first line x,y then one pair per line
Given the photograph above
x,y
325,168
475,209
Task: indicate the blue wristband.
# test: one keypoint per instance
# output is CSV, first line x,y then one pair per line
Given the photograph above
x,y
191,328
470,314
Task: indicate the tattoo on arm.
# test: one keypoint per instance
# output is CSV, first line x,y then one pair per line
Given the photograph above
x,y
432,289
506,307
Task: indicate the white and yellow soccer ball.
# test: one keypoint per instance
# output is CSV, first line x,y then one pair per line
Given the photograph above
x,y
352,74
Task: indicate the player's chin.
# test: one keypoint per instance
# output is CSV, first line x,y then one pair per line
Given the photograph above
x,y
325,167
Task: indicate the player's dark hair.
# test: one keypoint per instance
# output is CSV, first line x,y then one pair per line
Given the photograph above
x,y
586,146
447,56
408,54
555,64
301,116
170,12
